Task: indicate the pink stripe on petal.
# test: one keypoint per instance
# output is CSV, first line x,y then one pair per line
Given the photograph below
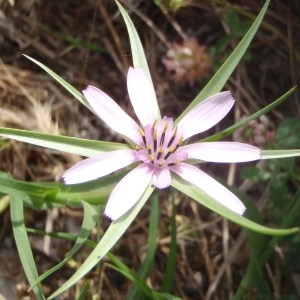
x,y
99,165
210,186
223,152
162,178
206,114
142,96
128,191
111,113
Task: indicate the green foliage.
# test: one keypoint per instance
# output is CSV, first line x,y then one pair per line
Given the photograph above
x,y
237,29
287,134
281,176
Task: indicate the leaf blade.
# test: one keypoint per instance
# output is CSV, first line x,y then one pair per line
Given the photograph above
x,y
67,144
218,81
213,205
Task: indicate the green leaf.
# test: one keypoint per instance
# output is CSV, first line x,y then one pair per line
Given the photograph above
x,y
139,283
137,50
64,83
213,205
151,250
50,194
62,143
255,174
221,76
169,275
271,154
90,218
22,241
287,134
111,236
233,128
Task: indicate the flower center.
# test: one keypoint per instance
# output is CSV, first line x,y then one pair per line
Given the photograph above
x,y
160,143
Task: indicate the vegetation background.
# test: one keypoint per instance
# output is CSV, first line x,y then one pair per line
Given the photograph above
x,y
86,42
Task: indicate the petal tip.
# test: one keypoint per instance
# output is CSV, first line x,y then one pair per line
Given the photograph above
x,y
113,214
88,88
239,209
109,216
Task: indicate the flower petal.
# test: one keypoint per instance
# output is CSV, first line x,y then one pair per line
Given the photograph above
x,y
162,178
111,113
206,114
210,186
98,166
142,96
128,191
226,152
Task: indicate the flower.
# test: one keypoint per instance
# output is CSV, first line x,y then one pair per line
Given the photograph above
x,y
159,147
187,62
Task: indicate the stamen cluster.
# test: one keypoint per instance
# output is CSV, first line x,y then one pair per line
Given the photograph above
x,y
160,143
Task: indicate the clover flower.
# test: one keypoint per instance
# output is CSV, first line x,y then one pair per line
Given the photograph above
x,y
159,147
187,62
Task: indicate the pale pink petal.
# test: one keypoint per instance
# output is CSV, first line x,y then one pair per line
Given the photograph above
x,y
111,113
142,96
226,152
206,114
210,186
99,165
162,178
128,191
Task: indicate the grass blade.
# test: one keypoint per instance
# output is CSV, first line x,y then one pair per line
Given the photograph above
x,y
111,236
90,218
67,144
22,241
213,205
61,81
168,279
221,76
148,262
264,110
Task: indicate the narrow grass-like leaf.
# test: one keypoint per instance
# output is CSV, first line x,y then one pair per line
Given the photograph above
x,y
133,277
213,205
169,274
22,241
221,76
61,81
272,154
47,194
137,50
141,285
151,250
220,135
60,235
111,236
83,292
90,218
67,144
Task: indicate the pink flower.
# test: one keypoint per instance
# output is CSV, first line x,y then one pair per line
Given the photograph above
x,y
187,62
159,147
